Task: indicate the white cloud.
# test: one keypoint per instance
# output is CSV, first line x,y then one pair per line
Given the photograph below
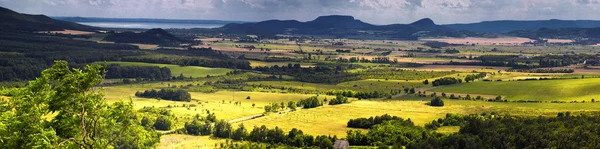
x,y
373,11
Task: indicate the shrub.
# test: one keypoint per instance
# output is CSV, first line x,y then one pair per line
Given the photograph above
x,y
437,102
162,123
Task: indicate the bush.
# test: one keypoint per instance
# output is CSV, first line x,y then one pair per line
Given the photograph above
x,y
437,102
338,100
162,123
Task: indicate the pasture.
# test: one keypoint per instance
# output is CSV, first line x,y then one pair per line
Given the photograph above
x,y
482,41
193,71
542,90
332,120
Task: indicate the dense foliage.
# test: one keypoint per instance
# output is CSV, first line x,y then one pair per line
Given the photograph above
x,y
82,120
311,102
167,94
445,81
338,100
146,72
488,131
369,122
191,57
361,94
437,102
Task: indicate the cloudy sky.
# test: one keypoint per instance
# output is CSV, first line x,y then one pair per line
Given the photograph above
x,y
372,11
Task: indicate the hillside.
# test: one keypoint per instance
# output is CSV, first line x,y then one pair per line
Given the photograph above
x,y
504,26
14,21
586,36
142,20
342,26
152,36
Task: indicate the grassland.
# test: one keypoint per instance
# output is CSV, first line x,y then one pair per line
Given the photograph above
x,y
178,141
222,103
545,90
262,63
332,120
193,71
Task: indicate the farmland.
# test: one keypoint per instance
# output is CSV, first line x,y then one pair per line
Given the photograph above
x,y
263,85
193,71
547,90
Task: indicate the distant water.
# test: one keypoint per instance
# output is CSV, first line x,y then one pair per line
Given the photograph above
x,y
145,25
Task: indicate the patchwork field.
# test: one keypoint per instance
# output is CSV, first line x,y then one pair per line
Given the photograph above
x,y
193,71
545,90
482,41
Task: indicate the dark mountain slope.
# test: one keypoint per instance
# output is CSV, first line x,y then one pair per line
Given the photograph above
x,y
152,36
13,21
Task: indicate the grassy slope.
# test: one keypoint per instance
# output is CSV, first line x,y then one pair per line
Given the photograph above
x,y
194,71
546,90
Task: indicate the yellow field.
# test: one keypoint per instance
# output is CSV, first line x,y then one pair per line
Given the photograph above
x,y
222,103
331,120
178,141
483,41
460,68
147,46
71,32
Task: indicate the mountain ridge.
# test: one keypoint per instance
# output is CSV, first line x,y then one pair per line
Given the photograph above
x,y
342,26
14,21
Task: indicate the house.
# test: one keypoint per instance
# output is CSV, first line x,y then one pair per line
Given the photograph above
x,y
341,144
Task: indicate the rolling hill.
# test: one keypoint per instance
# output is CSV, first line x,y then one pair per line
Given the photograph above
x,y
504,26
342,26
152,36
14,21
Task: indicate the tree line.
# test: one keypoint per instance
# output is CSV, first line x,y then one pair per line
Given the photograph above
x,y
276,136
167,94
367,123
146,72
487,131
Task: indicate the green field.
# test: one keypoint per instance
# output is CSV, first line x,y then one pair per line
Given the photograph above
x,y
543,90
194,71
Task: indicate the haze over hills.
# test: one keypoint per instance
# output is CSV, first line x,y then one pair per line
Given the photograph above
x,y
503,26
11,20
142,20
342,26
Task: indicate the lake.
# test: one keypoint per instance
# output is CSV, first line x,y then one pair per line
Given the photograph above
x,y
146,25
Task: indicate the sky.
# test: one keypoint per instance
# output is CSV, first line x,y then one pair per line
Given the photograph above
x,y
371,11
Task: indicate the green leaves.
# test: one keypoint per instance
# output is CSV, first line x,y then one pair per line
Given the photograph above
x,y
63,109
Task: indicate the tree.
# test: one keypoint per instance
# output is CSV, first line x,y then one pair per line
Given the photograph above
x,y
240,133
145,121
292,105
162,123
499,98
222,129
426,82
83,119
193,128
437,102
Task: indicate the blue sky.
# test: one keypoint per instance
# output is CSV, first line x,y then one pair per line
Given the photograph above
x,y
372,11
